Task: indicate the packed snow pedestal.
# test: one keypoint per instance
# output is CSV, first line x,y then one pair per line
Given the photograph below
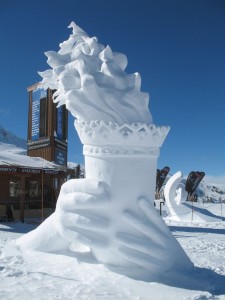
x,y
133,239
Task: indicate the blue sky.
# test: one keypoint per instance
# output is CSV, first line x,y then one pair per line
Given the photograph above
x,y
177,46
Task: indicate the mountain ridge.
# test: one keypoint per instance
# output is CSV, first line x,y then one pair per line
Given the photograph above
x,y
8,137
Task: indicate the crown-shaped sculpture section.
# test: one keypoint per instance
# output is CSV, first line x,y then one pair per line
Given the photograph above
x,y
102,138
111,133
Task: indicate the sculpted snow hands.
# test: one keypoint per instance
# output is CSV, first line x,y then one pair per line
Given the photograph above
x,y
145,251
78,215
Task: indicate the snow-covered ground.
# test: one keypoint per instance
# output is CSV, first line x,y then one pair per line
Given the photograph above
x,y
76,275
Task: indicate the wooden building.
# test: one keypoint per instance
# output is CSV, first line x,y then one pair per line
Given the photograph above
x,y
29,192
30,184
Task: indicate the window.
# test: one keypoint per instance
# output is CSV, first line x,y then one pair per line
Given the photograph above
x,y
64,123
43,118
56,183
33,189
14,188
61,122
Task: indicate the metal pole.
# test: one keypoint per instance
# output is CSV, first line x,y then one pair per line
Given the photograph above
x,y
192,210
161,207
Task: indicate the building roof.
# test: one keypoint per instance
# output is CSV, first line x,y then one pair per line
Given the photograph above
x,y
11,155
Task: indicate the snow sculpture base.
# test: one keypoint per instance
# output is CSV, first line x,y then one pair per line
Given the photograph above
x,y
125,157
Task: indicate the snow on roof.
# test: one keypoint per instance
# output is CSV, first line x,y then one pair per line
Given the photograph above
x,y
11,155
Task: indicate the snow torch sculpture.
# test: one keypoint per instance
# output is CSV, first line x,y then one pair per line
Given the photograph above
x,y
111,210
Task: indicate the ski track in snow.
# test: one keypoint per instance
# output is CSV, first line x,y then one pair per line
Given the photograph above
x,y
40,276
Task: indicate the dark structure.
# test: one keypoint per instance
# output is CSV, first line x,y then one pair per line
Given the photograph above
x,y
47,127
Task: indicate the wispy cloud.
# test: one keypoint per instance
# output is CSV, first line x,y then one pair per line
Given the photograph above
x,y
5,111
215,179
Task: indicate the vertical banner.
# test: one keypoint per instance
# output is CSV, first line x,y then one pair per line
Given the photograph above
x,y
59,124
35,114
36,96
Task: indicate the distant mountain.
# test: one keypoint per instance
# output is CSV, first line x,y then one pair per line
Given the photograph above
x,y
8,137
211,192
206,192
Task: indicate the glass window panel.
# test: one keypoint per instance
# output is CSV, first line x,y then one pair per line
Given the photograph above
x,y
14,188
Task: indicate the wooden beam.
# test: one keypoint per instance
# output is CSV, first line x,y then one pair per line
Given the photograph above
x,y
22,197
42,195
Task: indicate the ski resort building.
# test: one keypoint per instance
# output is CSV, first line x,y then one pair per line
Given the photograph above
x,y
29,186
30,180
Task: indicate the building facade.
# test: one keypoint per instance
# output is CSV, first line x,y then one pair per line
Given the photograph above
x,y
47,127
29,192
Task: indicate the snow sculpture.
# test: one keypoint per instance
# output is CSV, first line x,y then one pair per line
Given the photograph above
x,y
111,210
180,210
174,193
